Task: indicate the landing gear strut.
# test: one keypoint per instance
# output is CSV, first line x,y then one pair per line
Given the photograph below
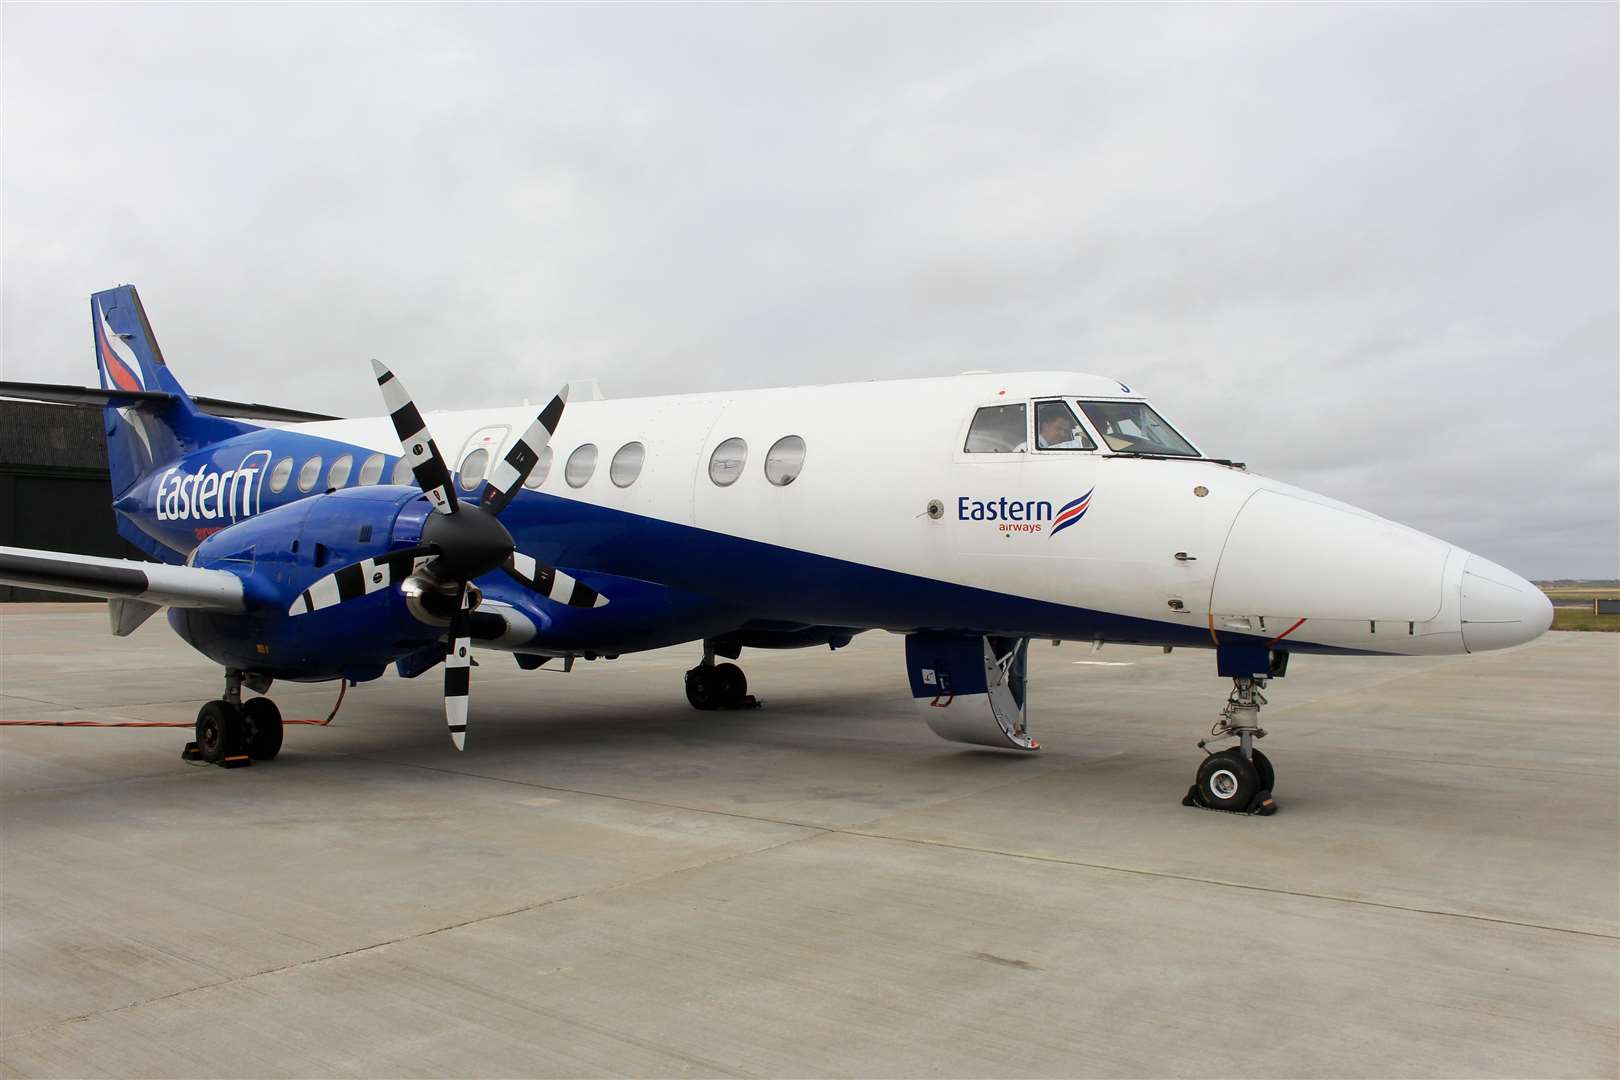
x,y
718,686
233,733
1240,778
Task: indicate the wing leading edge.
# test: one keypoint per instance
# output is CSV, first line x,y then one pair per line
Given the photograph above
x,y
134,590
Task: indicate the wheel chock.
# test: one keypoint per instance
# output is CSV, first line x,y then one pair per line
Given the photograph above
x,y
1262,806
232,761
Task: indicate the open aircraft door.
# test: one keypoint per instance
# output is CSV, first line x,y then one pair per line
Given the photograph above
x,y
971,688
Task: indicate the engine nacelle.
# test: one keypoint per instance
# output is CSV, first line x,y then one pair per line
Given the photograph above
x,y
278,554
971,688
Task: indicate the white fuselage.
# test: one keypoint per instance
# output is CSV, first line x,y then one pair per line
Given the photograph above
x,y
1180,542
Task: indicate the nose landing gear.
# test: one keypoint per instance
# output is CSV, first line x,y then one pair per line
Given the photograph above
x,y
232,733
1239,779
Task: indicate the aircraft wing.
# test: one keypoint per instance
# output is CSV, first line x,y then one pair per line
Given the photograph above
x,y
134,590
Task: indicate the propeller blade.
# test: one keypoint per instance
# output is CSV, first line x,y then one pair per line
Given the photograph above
x,y
458,673
552,583
513,469
362,578
414,438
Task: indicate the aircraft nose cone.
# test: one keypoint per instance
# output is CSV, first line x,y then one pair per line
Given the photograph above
x,y
1499,608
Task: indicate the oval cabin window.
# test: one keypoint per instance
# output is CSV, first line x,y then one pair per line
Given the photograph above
x,y
310,473
338,474
785,460
473,467
371,470
627,464
281,474
727,461
542,469
581,464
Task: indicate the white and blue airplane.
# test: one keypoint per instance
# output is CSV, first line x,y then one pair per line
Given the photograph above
x,y
971,514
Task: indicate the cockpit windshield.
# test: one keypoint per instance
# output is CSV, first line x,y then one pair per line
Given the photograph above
x,y
1132,427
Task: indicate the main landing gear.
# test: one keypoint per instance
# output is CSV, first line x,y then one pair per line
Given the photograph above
x,y
233,733
1238,779
718,686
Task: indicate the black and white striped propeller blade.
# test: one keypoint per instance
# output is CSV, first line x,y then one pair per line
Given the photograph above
x,y
458,672
459,543
552,583
361,578
514,468
417,442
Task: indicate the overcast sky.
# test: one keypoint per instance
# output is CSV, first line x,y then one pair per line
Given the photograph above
x,y
1372,250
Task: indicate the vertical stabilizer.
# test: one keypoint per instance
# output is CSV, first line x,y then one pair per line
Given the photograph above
x,y
144,433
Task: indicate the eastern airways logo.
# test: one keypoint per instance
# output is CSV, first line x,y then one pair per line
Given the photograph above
x,y
117,359
206,495
1024,515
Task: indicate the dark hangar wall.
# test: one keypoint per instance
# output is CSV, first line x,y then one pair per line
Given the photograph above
x,y
54,486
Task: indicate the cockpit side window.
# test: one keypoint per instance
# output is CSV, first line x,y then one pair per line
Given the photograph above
x,y
1057,428
1132,427
998,429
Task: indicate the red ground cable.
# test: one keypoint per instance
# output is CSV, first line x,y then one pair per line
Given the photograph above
x,y
343,688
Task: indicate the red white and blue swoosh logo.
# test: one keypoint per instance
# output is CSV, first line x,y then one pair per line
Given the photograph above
x,y
122,369
1071,513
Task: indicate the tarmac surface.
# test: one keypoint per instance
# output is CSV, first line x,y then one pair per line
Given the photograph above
x,y
610,883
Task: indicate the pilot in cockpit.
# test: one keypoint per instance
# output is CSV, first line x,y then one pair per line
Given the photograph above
x,y
1057,430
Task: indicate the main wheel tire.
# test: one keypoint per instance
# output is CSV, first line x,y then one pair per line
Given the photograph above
x,y
219,731
731,685
702,690
261,721
1268,775
1228,781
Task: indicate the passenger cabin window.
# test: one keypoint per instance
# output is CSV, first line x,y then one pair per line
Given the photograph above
x,y
727,461
998,429
371,470
784,460
626,465
338,474
538,474
581,464
1057,428
402,472
472,469
1131,427
280,474
310,473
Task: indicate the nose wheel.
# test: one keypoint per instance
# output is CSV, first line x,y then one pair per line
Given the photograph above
x,y
1239,779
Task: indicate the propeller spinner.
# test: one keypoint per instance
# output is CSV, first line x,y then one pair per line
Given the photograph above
x,y
460,541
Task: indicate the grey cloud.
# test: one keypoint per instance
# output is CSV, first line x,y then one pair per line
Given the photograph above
x,y
1372,250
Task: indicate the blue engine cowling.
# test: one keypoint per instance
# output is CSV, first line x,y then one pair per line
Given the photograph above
x,y
278,555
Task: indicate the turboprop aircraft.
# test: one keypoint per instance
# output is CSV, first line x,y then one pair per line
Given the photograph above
x,y
971,514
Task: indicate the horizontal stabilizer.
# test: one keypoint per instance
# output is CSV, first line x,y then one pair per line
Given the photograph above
x,y
62,394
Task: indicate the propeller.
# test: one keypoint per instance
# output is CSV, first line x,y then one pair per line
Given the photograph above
x,y
460,541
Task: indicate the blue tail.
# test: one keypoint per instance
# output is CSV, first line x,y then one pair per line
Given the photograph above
x,y
144,432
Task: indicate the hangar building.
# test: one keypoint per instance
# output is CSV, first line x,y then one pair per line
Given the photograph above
x,y
54,483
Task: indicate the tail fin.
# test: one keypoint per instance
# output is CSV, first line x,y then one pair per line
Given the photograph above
x,y
126,352
158,422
